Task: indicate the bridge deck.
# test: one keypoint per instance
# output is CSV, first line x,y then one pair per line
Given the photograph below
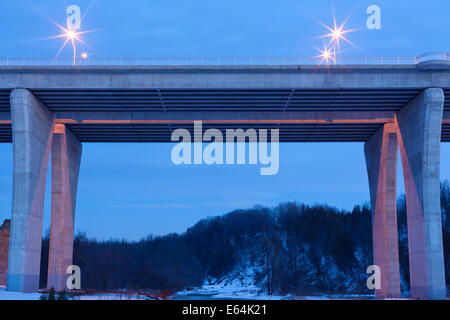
x,y
145,104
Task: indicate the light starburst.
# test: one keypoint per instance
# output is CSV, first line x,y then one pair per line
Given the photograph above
x,y
326,55
336,34
72,36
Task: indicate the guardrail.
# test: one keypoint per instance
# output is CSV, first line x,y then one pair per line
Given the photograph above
x,y
192,61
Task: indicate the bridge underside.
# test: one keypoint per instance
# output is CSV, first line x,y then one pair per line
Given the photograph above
x,y
162,133
152,115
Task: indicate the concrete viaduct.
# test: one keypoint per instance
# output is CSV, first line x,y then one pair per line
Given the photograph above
x,y
57,108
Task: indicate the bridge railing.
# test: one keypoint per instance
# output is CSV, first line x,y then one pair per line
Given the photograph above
x,y
193,61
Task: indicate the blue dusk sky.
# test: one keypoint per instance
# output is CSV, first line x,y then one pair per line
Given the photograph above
x,y
132,190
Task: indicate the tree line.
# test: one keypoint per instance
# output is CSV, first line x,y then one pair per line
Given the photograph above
x,y
291,248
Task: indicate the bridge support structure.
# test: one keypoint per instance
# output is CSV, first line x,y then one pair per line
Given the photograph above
x,y
32,130
419,135
417,131
66,157
381,160
34,135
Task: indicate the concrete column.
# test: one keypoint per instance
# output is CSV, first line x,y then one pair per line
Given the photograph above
x,y
32,130
419,127
381,161
66,157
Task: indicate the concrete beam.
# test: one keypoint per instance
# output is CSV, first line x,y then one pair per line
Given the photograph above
x,y
381,161
32,129
231,77
163,117
5,117
66,157
419,128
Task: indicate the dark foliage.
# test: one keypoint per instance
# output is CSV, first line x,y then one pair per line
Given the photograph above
x,y
293,248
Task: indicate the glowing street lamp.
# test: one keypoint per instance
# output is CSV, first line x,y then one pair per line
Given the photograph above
x,y
327,55
336,34
72,35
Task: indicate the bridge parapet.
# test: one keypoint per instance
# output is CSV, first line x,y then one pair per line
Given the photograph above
x,y
434,61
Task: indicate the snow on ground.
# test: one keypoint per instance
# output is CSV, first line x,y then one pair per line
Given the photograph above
x,y
111,296
237,285
8,295
236,292
338,297
229,291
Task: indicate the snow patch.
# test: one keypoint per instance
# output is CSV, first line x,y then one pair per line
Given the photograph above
x,y
239,284
9,295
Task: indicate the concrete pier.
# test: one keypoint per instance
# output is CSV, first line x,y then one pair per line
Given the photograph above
x,y
381,160
419,127
66,157
32,131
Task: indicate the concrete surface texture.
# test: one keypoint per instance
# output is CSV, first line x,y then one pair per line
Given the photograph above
x,y
32,133
419,127
381,159
66,157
